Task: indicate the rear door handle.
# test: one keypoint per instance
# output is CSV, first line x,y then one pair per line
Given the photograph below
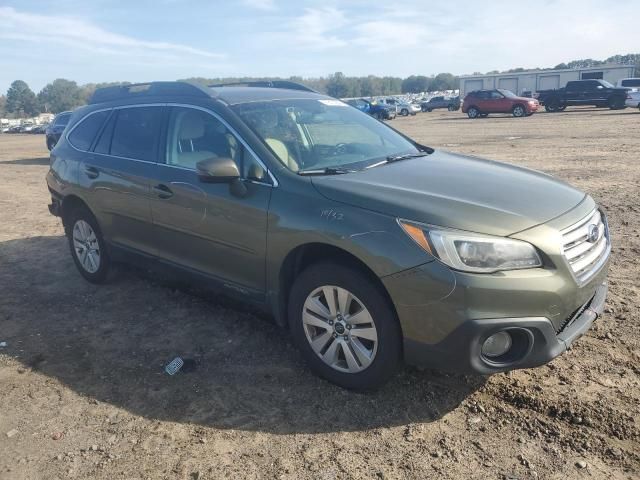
x,y
163,191
91,172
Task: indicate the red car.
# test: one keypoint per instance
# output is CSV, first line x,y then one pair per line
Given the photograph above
x,y
483,102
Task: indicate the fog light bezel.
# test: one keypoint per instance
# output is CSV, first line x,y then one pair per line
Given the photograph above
x,y
508,342
521,346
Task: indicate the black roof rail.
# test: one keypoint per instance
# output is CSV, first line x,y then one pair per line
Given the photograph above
x,y
137,90
286,84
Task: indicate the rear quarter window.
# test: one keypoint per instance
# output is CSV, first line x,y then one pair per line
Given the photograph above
x,y
82,135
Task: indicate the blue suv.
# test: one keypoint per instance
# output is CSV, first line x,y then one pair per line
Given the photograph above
x,y
377,110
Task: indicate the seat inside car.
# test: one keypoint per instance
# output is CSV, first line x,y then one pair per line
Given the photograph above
x,y
197,136
270,125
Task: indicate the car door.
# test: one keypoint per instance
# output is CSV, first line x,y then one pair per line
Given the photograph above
x,y
116,173
576,92
499,103
210,227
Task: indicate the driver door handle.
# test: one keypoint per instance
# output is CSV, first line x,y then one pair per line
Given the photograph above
x,y
91,172
163,191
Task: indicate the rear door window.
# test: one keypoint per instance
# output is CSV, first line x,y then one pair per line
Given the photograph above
x,y
631,82
136,133
83,134
62,119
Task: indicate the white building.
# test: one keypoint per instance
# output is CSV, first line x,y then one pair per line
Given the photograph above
x,y
536,80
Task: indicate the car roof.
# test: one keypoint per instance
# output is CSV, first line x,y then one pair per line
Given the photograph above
x,y
237,95
231,94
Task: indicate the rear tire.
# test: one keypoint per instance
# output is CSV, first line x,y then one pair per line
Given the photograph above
x,y
404,112
473,112
553,105
88,248
348,359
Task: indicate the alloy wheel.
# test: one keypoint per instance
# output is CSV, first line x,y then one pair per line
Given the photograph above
x,y
340,329
86,246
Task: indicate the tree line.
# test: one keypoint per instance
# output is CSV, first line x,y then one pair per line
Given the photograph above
x,y
61,94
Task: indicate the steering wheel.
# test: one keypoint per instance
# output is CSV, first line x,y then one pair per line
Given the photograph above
x,y
340,149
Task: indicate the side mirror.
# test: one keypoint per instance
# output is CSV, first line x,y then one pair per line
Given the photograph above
x,y
217,170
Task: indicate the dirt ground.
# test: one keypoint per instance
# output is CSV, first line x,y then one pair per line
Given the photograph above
x,y
83,393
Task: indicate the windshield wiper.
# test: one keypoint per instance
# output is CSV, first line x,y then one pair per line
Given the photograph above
x,y
397,158
326,171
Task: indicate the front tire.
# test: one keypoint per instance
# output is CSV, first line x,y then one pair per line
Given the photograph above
x,y
616,103
518,111
404,112
344,326
473,112
88,248
50,143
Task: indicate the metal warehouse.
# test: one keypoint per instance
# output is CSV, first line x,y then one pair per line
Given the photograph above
x,y
536,80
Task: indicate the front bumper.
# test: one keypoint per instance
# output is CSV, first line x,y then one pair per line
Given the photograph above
x,y
460,351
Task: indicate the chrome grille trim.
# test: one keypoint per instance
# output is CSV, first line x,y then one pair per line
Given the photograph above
x,y
583,257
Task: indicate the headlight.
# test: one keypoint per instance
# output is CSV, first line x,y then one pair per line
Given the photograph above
x,y
471,252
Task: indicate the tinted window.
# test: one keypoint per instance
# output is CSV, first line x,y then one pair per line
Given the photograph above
x,y
62,119
136,132
83,134
631,82
104,142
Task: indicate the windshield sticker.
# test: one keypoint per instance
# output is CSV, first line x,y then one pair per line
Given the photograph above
x,y
333,103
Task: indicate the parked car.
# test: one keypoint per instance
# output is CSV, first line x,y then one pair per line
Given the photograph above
x,y
632,83
377,110
15,129
633,99
369,246
403,108
450,103
26,127
481,103
598,93
55,129
39,128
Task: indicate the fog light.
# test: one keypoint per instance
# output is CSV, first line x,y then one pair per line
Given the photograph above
x,y
496,345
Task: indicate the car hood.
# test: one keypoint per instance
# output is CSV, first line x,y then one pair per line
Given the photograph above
x,y
455,191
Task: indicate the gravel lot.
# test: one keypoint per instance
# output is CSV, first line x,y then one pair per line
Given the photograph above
x,y
83,394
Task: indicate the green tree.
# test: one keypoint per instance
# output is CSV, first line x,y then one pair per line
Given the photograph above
x,y
444,81
21,100
3,106
60,95
338,85
415,84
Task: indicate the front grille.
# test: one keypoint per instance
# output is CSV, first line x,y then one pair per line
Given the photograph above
x,y
586,245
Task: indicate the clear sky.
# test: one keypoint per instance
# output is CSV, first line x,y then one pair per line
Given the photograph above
x,y
142,40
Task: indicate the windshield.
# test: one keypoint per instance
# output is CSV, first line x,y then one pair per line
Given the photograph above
x,y
631,82
507,93
322,133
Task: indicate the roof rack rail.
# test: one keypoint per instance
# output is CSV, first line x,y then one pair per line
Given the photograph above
x,y
136,90
286,84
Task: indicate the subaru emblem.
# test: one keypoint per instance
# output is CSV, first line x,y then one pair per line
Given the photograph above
x,y
593,233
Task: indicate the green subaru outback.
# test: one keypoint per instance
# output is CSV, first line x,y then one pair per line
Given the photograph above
x,y
371,248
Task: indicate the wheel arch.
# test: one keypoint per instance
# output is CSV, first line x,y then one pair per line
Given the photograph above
x,y
303,256
70,203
